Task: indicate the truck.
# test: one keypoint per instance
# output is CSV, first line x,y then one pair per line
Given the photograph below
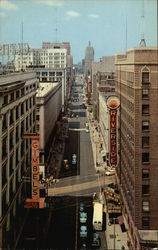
x,y
97,216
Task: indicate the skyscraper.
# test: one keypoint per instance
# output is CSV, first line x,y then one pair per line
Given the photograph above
x,y
89,58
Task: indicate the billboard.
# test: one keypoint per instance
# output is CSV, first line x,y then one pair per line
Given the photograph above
x,y
113,105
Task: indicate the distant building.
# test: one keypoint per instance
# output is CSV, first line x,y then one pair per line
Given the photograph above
x,y
52,75
89,58
102,80
62,45
137,88
49,105
17,116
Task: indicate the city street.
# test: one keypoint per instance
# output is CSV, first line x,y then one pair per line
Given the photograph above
x,y
60,218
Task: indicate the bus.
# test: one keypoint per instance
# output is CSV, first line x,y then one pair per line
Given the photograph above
x,y
97,216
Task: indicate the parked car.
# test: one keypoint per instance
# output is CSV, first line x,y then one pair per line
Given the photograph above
x,y
66,165
110,172
83,231
83,217
74,159
81,207
96,242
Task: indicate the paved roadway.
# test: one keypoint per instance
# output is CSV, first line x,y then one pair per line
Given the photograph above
x,y
57,226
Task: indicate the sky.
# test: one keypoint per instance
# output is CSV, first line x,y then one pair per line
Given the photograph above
x,y
110,25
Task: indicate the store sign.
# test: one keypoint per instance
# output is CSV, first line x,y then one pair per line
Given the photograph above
x,y
35,169
113,104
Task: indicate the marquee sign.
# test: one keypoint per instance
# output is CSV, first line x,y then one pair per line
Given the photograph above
x,y
113,104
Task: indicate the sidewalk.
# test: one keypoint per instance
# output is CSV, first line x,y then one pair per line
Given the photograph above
x,y
120,240
57,151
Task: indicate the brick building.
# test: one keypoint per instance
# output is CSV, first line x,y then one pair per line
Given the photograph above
x,y
137,175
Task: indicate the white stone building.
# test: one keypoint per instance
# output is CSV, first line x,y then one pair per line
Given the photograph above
x,y
49,105
17,116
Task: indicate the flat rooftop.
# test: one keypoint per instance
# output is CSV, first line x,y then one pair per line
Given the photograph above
x,y
16,78
45,88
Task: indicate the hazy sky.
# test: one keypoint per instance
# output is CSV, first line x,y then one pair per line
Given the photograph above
x,y
103,22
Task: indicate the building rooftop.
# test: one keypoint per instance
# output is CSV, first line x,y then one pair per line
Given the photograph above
x,y
148,235
16,78
45,88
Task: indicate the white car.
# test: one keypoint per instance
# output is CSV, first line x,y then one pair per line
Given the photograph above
x,y
112,172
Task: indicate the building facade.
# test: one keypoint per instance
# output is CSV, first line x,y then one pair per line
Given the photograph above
x,y
137,175
17,116
49,106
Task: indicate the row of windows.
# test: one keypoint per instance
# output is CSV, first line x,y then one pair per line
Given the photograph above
x,y
17,94
18,134
18,111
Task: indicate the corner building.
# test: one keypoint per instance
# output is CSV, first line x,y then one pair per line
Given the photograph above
x,y
137,173
17,116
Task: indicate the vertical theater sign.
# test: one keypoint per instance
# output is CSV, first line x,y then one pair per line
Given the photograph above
x,y
113,105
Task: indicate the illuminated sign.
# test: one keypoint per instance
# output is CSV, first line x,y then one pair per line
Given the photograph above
x,y
113,104
35,168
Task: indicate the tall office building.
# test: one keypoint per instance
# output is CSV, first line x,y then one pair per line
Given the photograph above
x,y
17,116
137,175
89,58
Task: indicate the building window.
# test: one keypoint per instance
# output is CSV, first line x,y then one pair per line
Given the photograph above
x,y
4,148
22,149
30,102
22,92
145,206
17,156
34,116
145,189
145,77
37,117
11,117
145,157
30,119
4,124
145,93
26,105
11,142
11,165
27,124
34,100
5,100
22,128
145,109
44,73
145,174
145,222
145,141
4,175
22,108
145,126
17,113
12,97
59,73
17,94
51,73
17,134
